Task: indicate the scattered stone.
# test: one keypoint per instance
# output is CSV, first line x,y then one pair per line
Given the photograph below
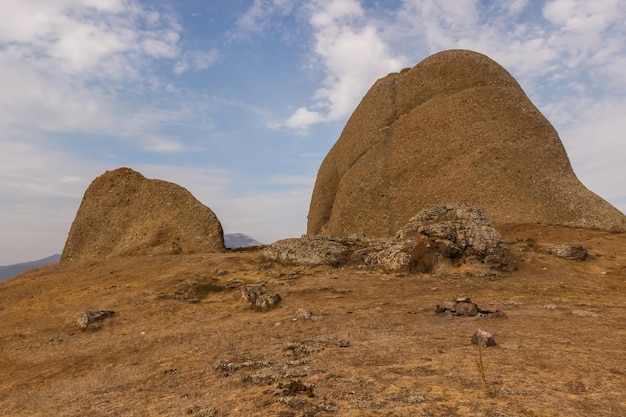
x,y
550,306
267,302
483,338
255,295
302,313
587,314
228,367
466,308
293,388
203,411
250,293
571,252
87,318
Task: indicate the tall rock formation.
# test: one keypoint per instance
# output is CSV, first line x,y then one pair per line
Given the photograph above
x,y
124,213
457,127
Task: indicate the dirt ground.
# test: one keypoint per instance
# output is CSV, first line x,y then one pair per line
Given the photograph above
x,y
182,342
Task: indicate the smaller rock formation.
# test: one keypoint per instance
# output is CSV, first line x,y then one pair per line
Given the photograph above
x,y
124,213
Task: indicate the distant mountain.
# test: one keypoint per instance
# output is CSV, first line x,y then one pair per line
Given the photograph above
x,y
240,240
9,271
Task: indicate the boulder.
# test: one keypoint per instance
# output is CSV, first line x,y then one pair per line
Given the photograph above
x,y
124,213
442,235
483,338
311,250
457,127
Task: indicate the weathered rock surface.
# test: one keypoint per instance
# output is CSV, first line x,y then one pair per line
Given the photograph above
x,y
436,238
457,127
311,250
455,233
124,213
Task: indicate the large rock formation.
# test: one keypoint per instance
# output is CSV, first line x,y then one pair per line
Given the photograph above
x,y
457,127
124,213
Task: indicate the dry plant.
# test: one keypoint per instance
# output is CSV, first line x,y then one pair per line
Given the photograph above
x,y
481,370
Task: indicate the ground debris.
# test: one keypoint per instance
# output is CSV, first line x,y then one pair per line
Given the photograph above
x,y
87,318
465,307
259,301
294,387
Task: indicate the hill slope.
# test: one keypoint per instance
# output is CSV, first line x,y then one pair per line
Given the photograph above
x,y
181,342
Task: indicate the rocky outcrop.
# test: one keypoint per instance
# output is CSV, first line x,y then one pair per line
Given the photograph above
x,y
457,127
435,240
454,234
124,213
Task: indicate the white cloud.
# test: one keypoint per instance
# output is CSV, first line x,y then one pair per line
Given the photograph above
x,y
84,66
302,119
260,15
196,60
352,55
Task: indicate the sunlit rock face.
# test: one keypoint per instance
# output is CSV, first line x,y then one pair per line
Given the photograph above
x,y
456,128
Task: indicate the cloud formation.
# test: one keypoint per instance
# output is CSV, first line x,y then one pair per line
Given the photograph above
x,y
352,55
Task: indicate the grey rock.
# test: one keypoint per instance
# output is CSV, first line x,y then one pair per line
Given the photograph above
x,y
571,252
86,318
311,250
457,233
483,338
466,309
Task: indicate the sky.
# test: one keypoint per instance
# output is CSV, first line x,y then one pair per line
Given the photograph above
x,y
240,101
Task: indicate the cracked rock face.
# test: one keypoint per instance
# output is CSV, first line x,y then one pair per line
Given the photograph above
x,y
457,127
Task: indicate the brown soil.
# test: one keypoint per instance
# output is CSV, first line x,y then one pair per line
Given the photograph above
x,y
373,347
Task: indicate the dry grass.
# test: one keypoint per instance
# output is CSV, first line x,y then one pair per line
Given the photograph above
x,y
373,347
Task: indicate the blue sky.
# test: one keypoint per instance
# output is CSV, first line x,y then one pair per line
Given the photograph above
x,y
239,101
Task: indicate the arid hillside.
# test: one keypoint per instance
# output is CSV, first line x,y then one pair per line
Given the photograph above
x,y
341,342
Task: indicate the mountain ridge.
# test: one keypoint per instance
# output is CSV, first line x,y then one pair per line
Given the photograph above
x,y
9,271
